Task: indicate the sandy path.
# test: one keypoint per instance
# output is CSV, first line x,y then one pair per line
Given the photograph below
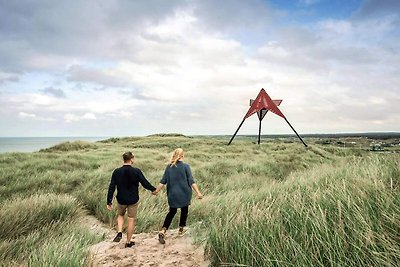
x,y
178,251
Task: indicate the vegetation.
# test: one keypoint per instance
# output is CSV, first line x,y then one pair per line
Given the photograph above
x,y
70,146
276,204
43,230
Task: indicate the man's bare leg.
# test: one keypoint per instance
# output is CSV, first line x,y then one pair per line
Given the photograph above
x,y
120,223
130,230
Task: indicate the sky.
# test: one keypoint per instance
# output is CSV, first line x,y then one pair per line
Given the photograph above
x,y
134,68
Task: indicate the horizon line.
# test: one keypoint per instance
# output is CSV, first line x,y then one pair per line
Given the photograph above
x,y
171,133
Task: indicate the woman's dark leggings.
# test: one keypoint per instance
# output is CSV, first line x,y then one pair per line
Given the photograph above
x,y
171,214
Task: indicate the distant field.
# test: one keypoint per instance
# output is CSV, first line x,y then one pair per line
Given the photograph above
x,y
335,203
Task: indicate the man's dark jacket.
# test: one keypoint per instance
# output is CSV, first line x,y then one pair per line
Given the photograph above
x,y
127,179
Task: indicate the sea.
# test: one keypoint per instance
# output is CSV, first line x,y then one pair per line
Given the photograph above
x,y
31,144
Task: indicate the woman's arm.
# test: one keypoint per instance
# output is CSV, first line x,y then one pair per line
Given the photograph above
x,y
196,188
158,189
162,182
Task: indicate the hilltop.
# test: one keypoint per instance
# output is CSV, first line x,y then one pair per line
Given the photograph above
x,y
274,204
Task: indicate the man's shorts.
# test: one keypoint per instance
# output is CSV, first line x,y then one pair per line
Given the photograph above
x,y
132,210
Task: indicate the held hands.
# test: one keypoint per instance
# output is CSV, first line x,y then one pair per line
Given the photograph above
x,y
109,207
158,189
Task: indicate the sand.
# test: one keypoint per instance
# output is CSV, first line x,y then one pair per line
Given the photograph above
x,y
147,252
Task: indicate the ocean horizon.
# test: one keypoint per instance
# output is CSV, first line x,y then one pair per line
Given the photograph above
x,y
32,144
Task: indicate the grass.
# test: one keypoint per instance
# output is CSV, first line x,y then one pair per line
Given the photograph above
x,y
70,146
331,216
276,204
43,230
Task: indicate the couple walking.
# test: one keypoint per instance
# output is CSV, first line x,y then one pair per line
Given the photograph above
x,y
178,179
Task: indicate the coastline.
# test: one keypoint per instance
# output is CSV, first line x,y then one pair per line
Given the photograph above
x,y
32,144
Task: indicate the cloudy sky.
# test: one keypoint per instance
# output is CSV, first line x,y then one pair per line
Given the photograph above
x,y
123,68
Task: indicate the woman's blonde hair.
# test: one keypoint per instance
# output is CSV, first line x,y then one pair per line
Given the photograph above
x,y
176,156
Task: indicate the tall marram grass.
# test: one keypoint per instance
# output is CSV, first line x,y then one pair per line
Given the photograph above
x,y
274,204
21,216
345,215
41,230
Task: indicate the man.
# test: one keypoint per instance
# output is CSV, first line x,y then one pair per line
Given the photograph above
x,y
127,179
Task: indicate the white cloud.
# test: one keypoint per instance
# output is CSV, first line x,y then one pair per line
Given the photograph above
x,y
32,116
89,116
26,115
69,117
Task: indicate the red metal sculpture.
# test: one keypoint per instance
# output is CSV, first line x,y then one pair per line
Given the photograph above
x,y
262,104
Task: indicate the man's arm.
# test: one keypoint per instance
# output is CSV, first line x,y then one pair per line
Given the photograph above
x,y
111,189
143,181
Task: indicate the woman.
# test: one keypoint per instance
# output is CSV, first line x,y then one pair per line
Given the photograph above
x,y
179,180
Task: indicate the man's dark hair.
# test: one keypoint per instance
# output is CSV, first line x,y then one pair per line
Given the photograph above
x,y
127,156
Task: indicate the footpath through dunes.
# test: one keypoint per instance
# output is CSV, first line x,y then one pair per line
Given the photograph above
x,y
147,252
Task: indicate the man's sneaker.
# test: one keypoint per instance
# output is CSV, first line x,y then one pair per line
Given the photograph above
x,y
129,244
118,237
161,238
